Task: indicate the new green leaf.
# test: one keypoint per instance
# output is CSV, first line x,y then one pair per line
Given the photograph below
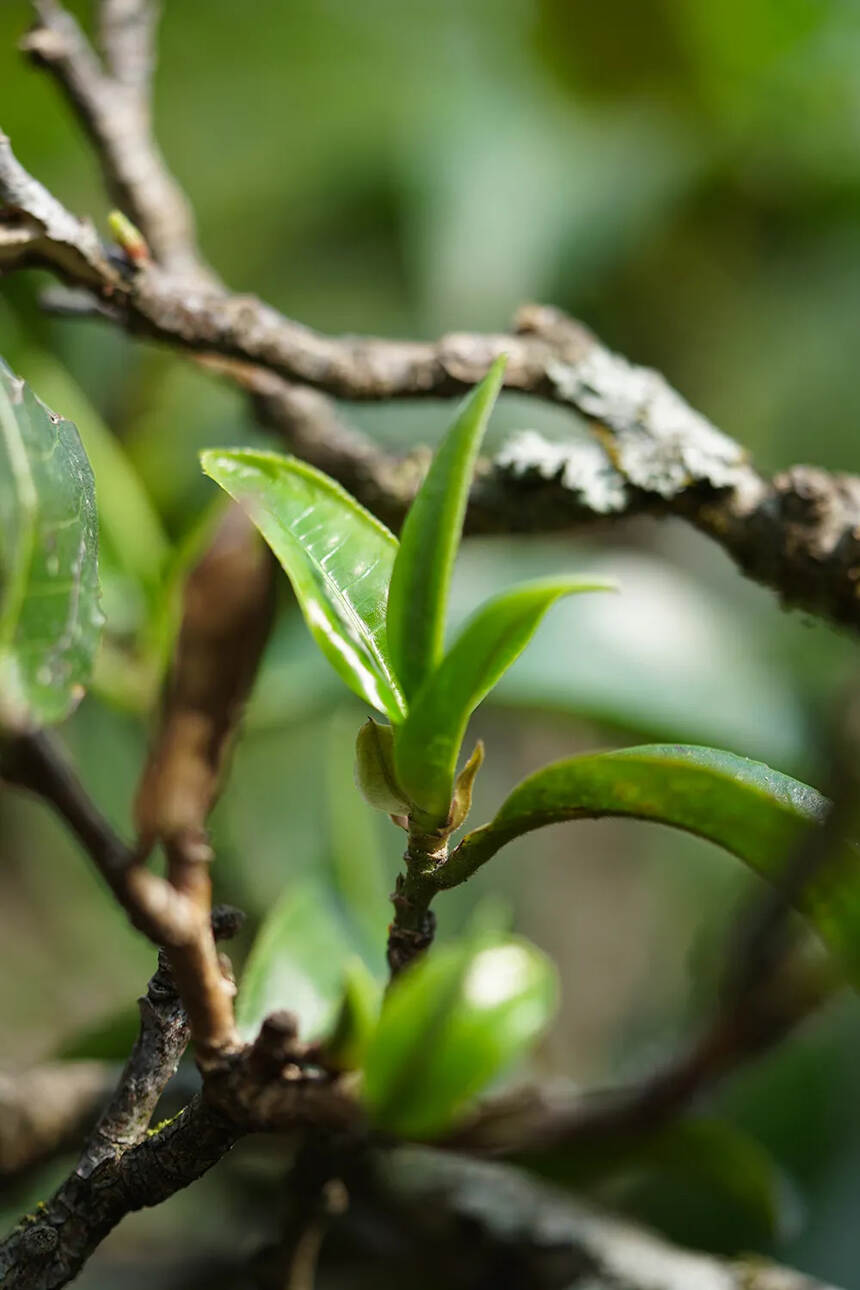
x,y
752,811
427,745
429,540
357,1018
451,1023
336,555
49,614
299,960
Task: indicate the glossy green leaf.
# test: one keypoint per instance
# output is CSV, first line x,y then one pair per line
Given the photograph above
x,y
298,961
450,1024
336,555
418,601
131,534
654,660
50,619
752,811
427,745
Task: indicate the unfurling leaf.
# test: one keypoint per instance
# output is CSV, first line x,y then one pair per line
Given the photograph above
x,y
450,1024
461,803
752,811
129,237
427,744
374,769
336,555
429,540
226,615
50,620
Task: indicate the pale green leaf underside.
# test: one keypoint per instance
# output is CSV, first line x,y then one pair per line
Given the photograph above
x,y
336,555
752,811
429,540
427,745
50,620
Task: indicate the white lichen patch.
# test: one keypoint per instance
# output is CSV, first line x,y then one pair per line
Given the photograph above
x,y
582,466
658,442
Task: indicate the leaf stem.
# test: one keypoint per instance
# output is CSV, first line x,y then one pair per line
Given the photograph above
x,y
414,924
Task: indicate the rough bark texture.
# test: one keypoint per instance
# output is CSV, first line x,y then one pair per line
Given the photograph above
x,y
48,1248
649,451
644,450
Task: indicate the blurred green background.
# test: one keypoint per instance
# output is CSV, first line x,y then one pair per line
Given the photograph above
x,y
684,177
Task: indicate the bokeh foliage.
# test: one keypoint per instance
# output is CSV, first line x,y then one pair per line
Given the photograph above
x,y
684,177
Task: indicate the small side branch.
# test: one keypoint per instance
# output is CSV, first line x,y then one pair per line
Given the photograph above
x,y
47,1249
112,101
798,533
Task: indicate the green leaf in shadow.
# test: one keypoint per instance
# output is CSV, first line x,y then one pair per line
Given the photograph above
x,y
429,540
50,621
752,811
336,555
427,744
451,1023
709,1157
299,960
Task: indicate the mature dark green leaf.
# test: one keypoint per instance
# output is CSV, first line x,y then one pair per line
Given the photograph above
x,y
711,1157
754,812
49,615
449,1025
429,540
336,555
131,533
427,744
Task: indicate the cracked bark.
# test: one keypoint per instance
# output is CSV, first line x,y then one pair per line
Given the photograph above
x,y
798,533
649,452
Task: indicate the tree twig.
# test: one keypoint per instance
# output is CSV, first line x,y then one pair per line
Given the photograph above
x,y
47,1249
168,916
112,101
798,533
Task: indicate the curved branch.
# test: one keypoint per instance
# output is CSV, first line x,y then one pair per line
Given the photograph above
x,y
112,101
48,1248
798,533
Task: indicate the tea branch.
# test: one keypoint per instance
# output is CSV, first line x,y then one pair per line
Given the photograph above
x,y
648,451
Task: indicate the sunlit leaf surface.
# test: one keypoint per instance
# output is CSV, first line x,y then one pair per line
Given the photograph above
x,y
449,1025
418,601
336,555
427,745
752,811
